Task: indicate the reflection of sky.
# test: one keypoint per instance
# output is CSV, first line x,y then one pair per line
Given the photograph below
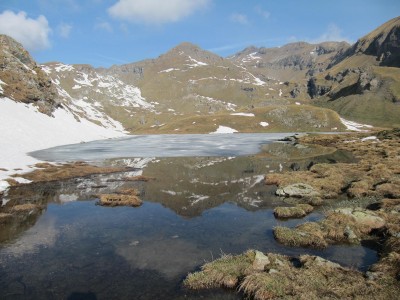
x,y
43,234
170,256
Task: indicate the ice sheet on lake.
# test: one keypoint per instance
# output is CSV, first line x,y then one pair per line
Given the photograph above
x,y
168,145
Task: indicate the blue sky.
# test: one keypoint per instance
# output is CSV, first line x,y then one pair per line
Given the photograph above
x,y
107,32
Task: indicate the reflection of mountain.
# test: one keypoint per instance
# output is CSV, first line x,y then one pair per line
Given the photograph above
x,y
190,186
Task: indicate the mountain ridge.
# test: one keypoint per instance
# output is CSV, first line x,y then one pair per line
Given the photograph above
x,y
188,81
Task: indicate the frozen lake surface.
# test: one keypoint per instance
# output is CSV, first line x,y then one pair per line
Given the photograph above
x,y
169,145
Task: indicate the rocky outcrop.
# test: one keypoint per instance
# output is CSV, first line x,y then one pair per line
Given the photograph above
x,y
23,80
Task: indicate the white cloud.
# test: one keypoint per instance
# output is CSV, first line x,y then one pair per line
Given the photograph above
x,y
64,30
239,18
33,34
155,11
333,33
265,14
104,26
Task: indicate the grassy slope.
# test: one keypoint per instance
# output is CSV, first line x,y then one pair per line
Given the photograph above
x,y
280,119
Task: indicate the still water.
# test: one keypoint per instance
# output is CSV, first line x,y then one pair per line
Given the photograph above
x,y
197,207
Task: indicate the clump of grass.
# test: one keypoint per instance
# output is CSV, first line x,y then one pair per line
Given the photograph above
x,y
343,225
139,178
313,278
298,211
49,172
305,235
223,272
119,200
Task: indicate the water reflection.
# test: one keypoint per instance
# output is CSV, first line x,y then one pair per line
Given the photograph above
x,y
195,209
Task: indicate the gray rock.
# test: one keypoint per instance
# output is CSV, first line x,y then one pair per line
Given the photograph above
x,y
260,261
298,190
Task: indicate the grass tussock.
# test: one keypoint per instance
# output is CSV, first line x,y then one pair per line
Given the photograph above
x,y
298,211
49,172
312,278
306,235
223,272
341,225
139,178
119,200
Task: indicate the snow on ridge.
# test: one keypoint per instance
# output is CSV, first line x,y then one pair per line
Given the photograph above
x,y
23,129
224,129
169,70
63,67
195,63
351,125
243,114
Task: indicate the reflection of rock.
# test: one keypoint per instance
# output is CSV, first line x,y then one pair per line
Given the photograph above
x,y
298,190
161,255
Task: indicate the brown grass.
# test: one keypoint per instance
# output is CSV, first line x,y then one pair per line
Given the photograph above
x,y
305,235
25,207
298,211
49,172
119,200
139,178
314,278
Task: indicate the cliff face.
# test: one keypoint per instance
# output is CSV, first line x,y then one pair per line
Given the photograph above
x,y
22,80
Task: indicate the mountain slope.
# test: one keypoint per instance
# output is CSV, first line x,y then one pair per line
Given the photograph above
x,y
21,79
364,83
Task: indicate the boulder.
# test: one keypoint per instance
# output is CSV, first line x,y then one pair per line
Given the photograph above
x,y
260,261
298,190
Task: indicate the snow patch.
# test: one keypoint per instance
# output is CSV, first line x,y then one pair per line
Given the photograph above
x,y
195,63
2,83
62,68
350,125
243,114
24,129
369,138
264,124
224,129
169,70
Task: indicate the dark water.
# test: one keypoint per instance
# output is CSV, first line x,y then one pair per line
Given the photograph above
x,y
196,209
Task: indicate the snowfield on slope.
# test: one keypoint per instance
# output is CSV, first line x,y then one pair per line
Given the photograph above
x,y
23,129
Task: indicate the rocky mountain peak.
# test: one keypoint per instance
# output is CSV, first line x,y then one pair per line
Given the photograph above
x,y
187,49
383,42
22,79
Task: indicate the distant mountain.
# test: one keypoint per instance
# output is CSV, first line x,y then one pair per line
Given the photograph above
x,y
192,90
187,89
363,83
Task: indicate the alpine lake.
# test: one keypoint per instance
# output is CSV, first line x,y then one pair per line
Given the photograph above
x,y
206,197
